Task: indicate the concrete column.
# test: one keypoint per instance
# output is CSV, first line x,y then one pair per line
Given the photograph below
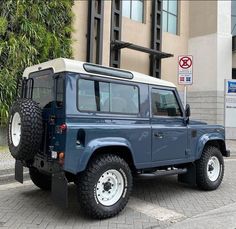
x,y
79,35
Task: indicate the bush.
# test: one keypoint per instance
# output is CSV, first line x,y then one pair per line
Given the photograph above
x,y
31,31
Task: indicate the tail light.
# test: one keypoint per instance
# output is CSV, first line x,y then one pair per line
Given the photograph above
x,y
62,127
61,158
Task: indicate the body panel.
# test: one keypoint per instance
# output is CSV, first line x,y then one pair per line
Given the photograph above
x,y
169,139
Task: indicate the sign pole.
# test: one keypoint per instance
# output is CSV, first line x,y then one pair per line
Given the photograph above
x,y
185,96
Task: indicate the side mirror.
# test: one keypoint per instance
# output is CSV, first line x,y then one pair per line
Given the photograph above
x,y
187,111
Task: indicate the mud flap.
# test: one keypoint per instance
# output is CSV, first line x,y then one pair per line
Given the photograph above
x,y
227,153
190,176
19,171
60,189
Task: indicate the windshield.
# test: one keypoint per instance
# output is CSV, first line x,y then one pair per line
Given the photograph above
x,y
43,84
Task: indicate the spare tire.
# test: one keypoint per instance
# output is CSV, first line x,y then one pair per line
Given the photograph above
x,y
25,129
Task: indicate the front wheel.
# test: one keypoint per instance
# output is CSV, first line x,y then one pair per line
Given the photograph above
x,y
105,186
210,168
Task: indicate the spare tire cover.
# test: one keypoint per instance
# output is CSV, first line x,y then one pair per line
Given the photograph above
x,y
25,129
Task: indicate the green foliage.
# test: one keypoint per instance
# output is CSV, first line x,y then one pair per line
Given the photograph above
x,y
31,31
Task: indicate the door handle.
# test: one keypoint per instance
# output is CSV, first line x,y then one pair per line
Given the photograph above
x,y
159,135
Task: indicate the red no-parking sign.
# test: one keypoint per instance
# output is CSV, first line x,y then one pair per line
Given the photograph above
x,y
185,74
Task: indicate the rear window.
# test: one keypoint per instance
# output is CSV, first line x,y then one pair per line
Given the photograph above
x,y
107,97
43,84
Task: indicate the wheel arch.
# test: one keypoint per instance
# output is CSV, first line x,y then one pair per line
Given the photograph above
x,y
216,140
121,151
220,144
117,146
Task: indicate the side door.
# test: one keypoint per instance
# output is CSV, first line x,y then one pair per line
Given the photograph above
x,y
169,131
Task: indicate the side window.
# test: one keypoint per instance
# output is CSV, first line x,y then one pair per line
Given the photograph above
x,y
107,97
124,99
92,95
164,103
59,91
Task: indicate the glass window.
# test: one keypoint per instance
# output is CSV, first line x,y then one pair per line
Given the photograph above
x,y
124,99
164,24
165,5
43,90
170,16
126,6
107,97
164,103
90,97
172,21
233,17
133,9
86,95
173,7
59,91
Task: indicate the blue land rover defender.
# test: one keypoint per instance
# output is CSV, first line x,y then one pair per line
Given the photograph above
x,y
99,127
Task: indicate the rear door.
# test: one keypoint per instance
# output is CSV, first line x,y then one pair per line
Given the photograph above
x,y
169,131
47,89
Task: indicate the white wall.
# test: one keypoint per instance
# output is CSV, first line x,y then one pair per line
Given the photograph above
x,y
204,52
224,43
212,63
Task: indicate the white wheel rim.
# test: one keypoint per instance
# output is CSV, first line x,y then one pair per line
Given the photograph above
x,y
16,129
110,187
213,168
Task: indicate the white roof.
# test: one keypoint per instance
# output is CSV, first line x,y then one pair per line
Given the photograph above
x,y
68,65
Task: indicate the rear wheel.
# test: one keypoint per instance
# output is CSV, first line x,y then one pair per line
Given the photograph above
x,y
41,180
104,188
210,168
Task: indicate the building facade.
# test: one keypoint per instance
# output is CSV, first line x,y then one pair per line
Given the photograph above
x,y
141,36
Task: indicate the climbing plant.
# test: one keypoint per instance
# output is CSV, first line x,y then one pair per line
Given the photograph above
x,y
31,31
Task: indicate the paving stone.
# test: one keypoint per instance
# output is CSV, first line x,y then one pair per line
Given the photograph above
x,y
28,207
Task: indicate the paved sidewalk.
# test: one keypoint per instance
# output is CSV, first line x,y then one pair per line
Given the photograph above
x,y
25,206
155,203
6,161
223,217
7,168
231,145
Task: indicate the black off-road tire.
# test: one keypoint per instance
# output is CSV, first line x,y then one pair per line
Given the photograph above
x,y
41,180
87,186
31,129
202,178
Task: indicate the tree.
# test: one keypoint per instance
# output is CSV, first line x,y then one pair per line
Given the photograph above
x,y
31,31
